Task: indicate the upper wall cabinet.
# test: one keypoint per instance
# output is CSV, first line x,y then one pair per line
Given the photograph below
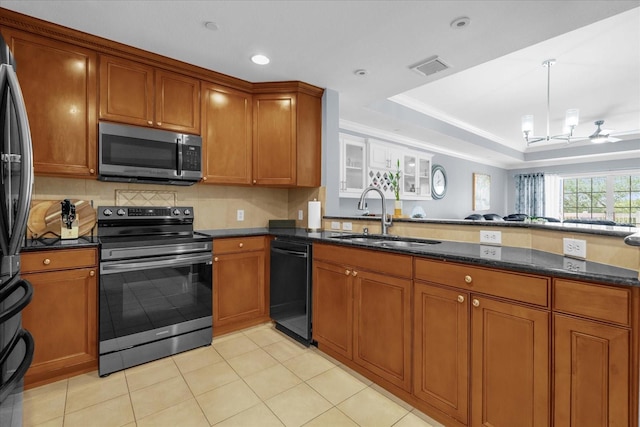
x,y
287,135
139,94
58,82
416,176
226,135
383,156
353,169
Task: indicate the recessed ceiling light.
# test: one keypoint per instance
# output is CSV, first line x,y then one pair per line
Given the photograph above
x,y
210,25
459,23
361,72
260,59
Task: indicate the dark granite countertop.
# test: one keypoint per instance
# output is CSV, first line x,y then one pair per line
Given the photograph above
x,y
511,258
603,230
56,243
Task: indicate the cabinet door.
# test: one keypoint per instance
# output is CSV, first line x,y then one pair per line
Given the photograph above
x,y
238,287
333,307
382,326
441,349
226,135
352,168
274,140
62,319
509,365
126,91
591,383
177,102
58,82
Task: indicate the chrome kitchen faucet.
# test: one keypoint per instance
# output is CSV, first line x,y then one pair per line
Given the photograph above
x,y
361,205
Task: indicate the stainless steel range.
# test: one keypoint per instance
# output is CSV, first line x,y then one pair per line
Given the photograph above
x,y
155,285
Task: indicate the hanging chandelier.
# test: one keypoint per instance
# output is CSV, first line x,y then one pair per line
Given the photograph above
x,y
570,121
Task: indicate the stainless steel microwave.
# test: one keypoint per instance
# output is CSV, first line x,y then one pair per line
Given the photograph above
x,y
139,154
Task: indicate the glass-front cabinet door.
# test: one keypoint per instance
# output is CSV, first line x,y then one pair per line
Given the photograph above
x,y
352,167
416,176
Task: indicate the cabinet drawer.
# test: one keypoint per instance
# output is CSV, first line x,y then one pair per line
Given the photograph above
x,y
606,303
63,259
519,287
379,262
238,244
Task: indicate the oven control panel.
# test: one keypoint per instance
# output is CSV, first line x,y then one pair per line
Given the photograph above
x,y
110,212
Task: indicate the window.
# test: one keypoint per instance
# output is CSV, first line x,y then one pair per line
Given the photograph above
x,y
613,197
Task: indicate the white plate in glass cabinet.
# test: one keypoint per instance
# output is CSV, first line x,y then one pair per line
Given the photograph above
x,y
352,168
416,176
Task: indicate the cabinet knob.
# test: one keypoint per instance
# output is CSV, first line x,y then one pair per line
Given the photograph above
x,y
460,298
255,182
347,272
92,171
240,245
46,261
476,303
149,122
92,273
468,279
159,123
215,259
204,178
354,273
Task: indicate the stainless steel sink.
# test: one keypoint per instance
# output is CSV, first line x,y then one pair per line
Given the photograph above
x,y
377,240
403,243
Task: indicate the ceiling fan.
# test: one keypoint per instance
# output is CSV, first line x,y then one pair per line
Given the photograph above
x,y
599,136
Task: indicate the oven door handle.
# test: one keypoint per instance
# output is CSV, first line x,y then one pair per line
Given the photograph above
x,y
170,261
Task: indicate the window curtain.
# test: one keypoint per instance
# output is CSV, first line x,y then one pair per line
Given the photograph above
x,y
553,196
530,194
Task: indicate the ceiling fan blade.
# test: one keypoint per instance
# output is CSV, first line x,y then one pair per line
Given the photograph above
x,y
612,139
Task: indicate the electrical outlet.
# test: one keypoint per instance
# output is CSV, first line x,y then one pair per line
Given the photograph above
x,y
575,248
240,215
300,215
347,226
491,237
491,252
335,225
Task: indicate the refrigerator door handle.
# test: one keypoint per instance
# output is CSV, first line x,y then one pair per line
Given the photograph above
x,y
20,304
26,169
18,374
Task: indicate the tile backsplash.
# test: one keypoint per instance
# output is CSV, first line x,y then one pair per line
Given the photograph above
x,y
214,206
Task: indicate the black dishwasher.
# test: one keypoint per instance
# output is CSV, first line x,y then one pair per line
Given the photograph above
x,y
290,302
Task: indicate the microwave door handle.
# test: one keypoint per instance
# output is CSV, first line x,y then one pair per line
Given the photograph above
x,y
179,157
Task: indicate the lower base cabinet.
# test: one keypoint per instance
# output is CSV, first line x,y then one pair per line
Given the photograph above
x,y
441,349
510,373
240,294
62,316
361,315
592,378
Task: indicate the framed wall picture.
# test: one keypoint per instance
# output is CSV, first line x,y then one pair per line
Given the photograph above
x,y
481,192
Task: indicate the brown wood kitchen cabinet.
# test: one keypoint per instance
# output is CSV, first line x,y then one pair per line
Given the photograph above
x,y
139,94
62,317
592,344
362,309
240,293
287,121
227,131
506,319
58,82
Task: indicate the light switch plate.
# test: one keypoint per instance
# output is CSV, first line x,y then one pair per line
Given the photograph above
x,y
240,215
574,248
347,226
491,237
300,215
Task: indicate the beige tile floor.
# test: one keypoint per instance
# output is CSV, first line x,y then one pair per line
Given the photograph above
x,y
256,377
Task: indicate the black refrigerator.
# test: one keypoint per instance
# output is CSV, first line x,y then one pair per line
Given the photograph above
x,y
16,181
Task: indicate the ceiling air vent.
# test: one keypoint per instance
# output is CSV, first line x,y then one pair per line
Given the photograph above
x,y
430,66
